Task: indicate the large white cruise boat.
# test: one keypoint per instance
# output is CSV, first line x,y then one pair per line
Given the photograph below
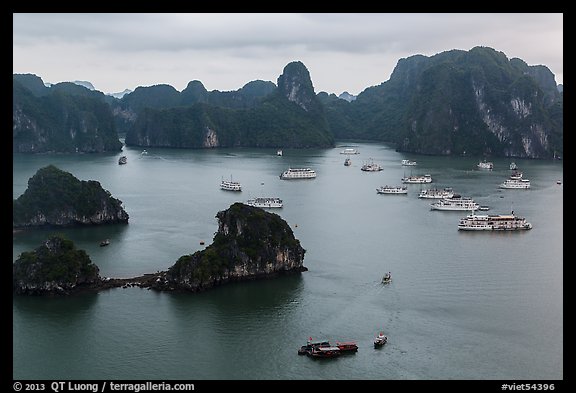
x,y
498,222
229,185
436,193
516,184
417,179
298,173
392,190
409,163
265,202
349,151
371,166
456,203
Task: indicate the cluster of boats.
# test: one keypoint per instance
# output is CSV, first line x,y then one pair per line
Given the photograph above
x,y
324,349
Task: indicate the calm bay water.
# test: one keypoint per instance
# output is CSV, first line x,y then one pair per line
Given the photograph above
x,y
461,305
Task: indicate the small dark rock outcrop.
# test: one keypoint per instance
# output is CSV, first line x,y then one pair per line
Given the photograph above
x,y
54,268
57,198
250,243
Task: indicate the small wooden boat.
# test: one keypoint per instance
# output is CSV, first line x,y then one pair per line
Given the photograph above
x,y
347,346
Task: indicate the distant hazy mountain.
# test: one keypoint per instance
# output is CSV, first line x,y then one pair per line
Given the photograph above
x,y
121,94
86,84
347,96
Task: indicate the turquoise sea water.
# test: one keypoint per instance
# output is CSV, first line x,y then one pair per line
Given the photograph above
x,y
460,306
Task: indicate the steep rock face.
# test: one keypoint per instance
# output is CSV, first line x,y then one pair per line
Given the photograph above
x,y
54,268
56,198
63,118
295,84
475,102
250,243
258,115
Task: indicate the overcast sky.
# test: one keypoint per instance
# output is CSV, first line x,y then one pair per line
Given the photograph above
x,y
343,52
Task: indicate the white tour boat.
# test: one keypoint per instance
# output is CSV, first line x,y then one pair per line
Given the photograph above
x,y
347,161
497,222
279,152
298,173
230,185
371,167
523,184
409,163
349,151
485,165
456,203
392,190
436,193
513,166
265,202
516,175
417,179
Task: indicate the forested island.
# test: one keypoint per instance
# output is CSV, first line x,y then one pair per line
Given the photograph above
x,y
476,102
56,198
250,244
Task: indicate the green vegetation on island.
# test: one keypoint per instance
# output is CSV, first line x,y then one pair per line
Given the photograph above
x,y
56,198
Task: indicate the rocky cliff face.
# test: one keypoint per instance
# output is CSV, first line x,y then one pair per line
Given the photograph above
x,y
258,115
475,102
295,84
56,198
54,268
250,243
63,118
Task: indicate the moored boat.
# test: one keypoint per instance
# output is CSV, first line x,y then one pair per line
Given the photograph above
x,y
371,166
307,349
230,185
298,173
409,163
436,193
265,202
456,203
397,190
105,243
496,222
347,346
349,151
325,352
515,184
417,179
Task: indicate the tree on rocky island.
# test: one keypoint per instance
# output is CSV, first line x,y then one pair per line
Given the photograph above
x,y
57,198
250,243
54,268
